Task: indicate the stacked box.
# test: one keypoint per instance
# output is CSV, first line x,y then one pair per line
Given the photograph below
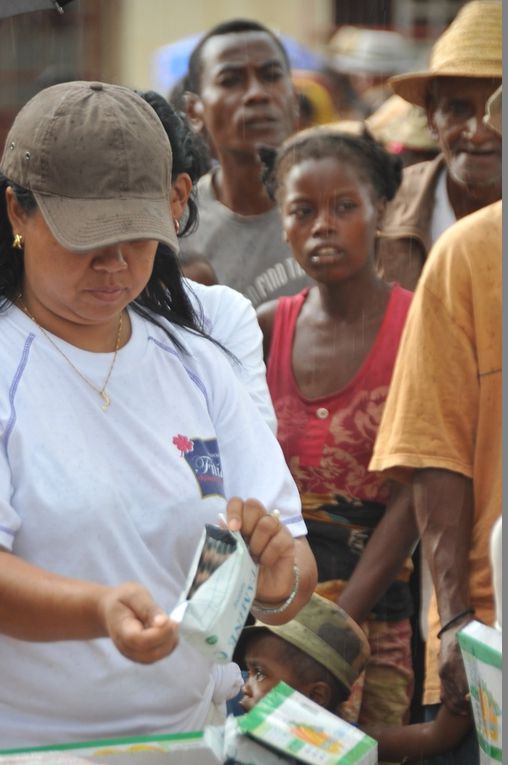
x,y
298,728
184,749
482,652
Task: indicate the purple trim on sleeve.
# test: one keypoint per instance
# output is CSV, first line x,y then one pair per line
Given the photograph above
x,y
292,520
192,375
14,387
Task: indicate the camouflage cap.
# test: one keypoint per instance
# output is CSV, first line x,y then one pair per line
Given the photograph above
x,y
322,631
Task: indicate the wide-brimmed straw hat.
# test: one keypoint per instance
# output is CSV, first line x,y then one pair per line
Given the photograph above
x,y
470,47
98,162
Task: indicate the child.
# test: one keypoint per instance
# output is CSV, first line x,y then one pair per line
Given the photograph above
x,y
320,653
330,355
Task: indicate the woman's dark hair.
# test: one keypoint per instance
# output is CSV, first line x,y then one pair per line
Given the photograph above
x,y
164,295
379,168
190,153
11,259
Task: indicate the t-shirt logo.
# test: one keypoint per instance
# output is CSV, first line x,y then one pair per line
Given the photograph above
x,y
203,458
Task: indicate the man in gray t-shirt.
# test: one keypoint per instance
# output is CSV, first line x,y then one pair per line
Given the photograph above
x,y
240,95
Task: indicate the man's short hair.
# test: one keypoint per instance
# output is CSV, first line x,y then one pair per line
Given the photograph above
x,y
193,77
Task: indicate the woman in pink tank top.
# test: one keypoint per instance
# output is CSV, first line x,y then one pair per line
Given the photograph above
x,y
330,353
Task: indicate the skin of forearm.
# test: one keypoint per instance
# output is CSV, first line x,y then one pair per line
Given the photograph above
x,y
444,513
383,556
37,605
413,742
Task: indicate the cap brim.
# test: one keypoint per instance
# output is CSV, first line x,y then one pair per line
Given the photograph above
x,y
87,224
245,635
299,635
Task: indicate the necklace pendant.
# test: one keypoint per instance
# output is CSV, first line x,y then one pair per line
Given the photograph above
x,y
106,399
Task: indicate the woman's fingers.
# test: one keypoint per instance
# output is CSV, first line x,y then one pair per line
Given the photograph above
x,y
139,628
267,538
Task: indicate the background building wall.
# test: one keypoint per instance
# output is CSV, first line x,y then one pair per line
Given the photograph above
x,y
142,26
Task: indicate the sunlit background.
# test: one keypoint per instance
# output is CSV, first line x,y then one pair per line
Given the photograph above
x,y
145,43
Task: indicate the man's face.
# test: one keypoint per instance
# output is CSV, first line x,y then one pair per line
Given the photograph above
x,y
246,96
472,150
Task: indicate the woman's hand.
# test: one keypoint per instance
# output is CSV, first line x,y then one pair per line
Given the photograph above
x,y
140,630
277,553
270,545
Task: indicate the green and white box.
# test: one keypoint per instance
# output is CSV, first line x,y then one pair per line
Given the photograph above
x,y
299,728
482,651
173,749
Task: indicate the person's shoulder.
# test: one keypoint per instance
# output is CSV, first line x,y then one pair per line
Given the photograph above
x,y
218,303
15,348
204,185
478,234
479,221
413,174
217,295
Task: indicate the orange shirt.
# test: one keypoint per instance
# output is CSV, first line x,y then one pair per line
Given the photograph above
x,y
444,407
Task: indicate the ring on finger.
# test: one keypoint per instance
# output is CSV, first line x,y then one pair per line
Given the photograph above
x,y
275,514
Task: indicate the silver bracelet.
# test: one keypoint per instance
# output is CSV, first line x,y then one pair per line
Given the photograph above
x,y
279,609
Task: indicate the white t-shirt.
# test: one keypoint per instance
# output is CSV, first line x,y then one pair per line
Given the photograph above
x,y
116,496
247,252
229,317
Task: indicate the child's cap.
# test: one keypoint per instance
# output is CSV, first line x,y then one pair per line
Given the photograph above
x,y
323,631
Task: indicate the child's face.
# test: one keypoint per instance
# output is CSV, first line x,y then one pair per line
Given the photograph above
x,y
330,216
264,657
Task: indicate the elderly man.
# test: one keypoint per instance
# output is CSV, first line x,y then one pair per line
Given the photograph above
x,y
465,69
441,428
240,96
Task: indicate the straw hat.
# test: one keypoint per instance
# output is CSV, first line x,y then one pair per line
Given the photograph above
x,y
371,51
470,47
398,122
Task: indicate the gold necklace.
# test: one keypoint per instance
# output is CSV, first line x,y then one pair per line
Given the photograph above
x,y
101,391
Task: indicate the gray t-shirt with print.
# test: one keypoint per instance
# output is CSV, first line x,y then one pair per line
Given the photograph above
x,y
247,252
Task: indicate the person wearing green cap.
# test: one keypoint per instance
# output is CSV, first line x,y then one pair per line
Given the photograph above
x,y
320,653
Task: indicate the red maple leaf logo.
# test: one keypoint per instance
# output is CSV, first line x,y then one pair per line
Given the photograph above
x,y
183,443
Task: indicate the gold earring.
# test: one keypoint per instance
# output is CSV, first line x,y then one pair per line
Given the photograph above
x,y
18,242
177,225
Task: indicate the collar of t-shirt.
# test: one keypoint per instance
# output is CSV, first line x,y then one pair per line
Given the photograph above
x,y
442,214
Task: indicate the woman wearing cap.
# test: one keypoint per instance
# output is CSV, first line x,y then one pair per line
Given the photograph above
x,y
465,69
123,433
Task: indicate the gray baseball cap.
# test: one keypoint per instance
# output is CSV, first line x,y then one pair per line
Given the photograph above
x,y
98,162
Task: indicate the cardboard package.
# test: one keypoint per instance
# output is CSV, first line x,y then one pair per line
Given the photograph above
x,y
296,727
181,749
482,652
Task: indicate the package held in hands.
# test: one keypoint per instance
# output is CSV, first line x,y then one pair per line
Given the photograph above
x,y
218,594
